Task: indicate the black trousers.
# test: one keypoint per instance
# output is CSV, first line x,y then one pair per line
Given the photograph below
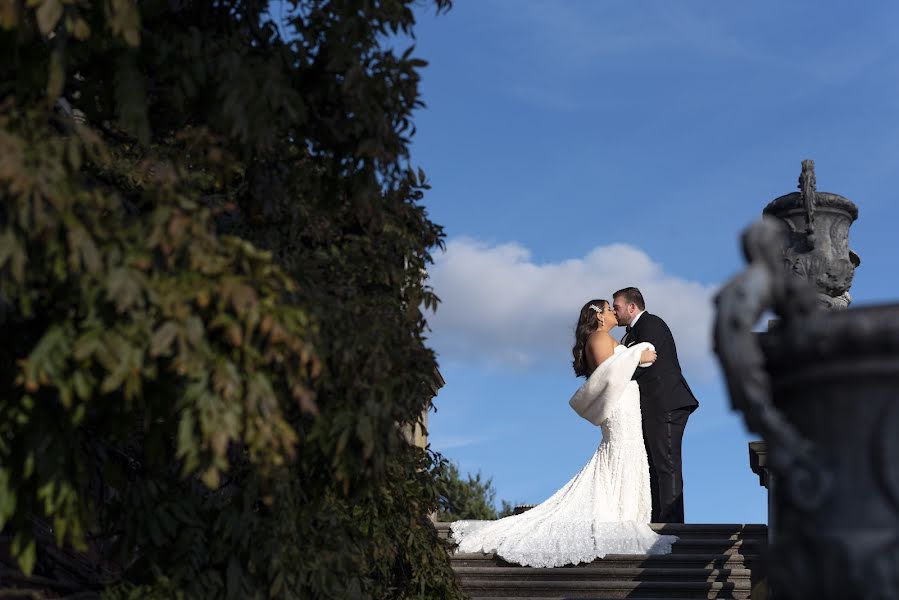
x,y
663,432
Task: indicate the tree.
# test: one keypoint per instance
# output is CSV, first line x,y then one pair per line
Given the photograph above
x,y
212,251
469,498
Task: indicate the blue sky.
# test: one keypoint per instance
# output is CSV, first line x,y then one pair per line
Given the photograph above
x,y
576,147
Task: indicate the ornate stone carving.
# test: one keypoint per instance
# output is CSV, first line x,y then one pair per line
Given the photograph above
x,y
816,247
821,389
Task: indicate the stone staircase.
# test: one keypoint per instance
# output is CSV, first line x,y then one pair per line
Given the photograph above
x,y
709,561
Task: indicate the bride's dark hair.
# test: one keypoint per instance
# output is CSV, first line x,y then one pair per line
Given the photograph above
x,y
586,324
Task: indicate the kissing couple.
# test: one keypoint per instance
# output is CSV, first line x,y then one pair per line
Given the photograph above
x,y
636,394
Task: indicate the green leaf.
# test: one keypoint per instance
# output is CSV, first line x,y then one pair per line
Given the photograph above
x,y
11,251
60,525
161,343
9,15
7,498
277,584
28,468
195,330
19,259
124,287
47,493
116,377
81,385
8,246
187,444
211,478
82,249
125,21
27,557
73,152
78,415
56,76
48,15
80,29
85,346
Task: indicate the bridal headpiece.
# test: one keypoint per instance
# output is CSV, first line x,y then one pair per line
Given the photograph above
x,y
596,308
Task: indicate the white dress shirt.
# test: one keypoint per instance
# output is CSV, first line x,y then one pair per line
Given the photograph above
x,y
636,318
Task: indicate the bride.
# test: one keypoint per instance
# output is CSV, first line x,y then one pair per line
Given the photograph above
x,y
606,507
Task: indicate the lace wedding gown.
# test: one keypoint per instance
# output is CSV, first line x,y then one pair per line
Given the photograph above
x,y
606,507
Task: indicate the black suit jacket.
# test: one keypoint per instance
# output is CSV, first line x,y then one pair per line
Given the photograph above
x,y
662,385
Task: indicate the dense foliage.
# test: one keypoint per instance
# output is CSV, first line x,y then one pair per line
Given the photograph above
x,y
471,497
212,259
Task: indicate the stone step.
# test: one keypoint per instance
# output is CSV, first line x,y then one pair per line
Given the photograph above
x,y
602,573
708,561
715,531
747,549
713,546
680,560
594,597
492,588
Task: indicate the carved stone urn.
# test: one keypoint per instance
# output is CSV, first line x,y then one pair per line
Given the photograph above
x,y
822,389
816,246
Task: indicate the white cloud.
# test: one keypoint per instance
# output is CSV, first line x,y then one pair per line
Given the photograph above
x,y
453,442
501,309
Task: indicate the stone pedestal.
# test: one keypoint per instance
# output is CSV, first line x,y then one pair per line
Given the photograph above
x,y
814,248
821,390
758,462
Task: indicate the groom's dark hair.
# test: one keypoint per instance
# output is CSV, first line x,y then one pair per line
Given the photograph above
x,y
631,294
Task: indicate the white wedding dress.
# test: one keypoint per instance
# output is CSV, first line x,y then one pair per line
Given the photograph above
x,y
606,507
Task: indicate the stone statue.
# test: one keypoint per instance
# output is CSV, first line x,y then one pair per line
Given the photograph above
x,y
821,389
816,245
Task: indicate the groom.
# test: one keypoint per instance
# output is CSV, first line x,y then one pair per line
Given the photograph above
x,y
665,401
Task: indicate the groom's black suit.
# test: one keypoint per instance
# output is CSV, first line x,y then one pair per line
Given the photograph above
x,y
666,402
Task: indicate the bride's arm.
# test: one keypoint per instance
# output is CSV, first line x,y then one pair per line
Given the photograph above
x,y
645,355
